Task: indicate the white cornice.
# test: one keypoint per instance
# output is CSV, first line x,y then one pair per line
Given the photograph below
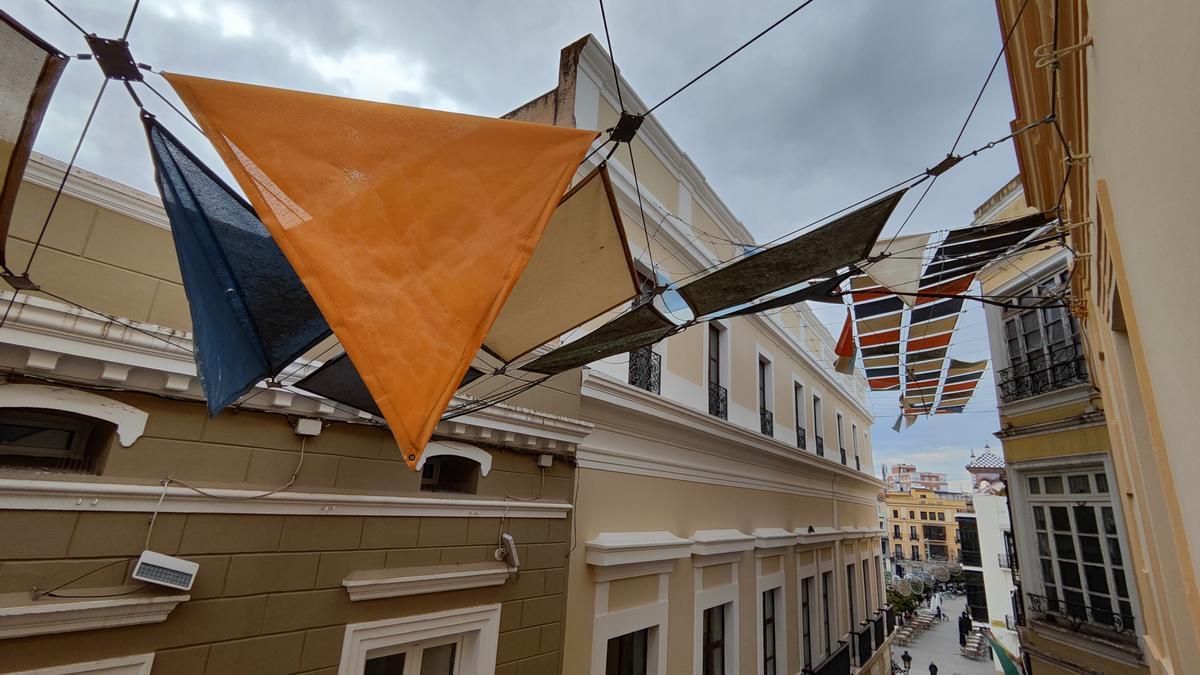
x,y
95,189
24,494
818,535
773,537
51,615
731,454
713,544
395,583
610,549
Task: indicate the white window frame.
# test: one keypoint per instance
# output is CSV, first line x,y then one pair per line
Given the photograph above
x,y
477,627
714,597
723,328
772,582
457,449
816,609
800,412
653,616
138,664
839,421
767,358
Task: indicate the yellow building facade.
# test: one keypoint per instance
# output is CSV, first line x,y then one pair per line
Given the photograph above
x,y
1120,162
921,526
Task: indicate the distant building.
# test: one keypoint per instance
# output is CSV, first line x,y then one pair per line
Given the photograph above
x,y
987,472
922,526
904,477
990,566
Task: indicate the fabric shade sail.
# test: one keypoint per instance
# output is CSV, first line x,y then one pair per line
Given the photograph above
x,y
842,242
337,380
251,316
29,71
899,263
409,227
818,291
644,325
580,270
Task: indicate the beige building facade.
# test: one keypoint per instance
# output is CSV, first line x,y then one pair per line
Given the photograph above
x,y
726,514
1120,80
921,526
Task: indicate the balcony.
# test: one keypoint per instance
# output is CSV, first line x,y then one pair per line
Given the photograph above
x,y
820,446
864,645
970,558
801,440
843,450
857,463
718,401
645,369
766,422
890,623
877,624
1060,368
838,662
1080,617
1005,561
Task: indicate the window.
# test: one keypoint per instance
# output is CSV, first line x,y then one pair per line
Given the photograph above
x,y
1079,551
895,513
765,402
447,473
1043,344
768,631
51,440
911,516
851,614
924,516
941,516
841,441
454,642
866,572
916,552
854,442
714,354
817,426
627,653
826,582
798,405
899,551
713,648
912,532
896,531
806,620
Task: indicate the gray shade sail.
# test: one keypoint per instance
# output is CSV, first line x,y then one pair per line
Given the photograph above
x,y
642,326
337,380
817,292
844,241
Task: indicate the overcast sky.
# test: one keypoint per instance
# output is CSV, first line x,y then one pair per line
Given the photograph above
x,y
843,99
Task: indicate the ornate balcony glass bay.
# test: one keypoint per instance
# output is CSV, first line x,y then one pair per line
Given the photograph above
x,y
1060,368
718,401
766,421
838,662
645,369
1079,617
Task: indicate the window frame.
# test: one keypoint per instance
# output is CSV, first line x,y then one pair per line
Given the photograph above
x,y
478,627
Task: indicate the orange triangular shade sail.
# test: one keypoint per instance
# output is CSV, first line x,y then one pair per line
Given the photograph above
x,y
409,227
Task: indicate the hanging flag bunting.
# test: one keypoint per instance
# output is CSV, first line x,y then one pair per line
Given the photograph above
x,y
845,348
580,270
29,71
338,381
878,326
409,227
959,383
251,316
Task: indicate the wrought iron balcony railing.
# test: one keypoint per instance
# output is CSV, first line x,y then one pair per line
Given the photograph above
x,y
801,440
718,401
820,446
645,369
971,558
766,421
877,624
1005,561
1079,616
857,463
837,663
891,619
1060,368
843,451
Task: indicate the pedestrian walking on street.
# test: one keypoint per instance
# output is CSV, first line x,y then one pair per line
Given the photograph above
x,y
937,613
932,669
907,659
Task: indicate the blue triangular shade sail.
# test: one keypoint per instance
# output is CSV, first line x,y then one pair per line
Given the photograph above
x,y
251,316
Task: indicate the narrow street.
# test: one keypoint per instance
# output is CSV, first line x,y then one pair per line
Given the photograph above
x,y
940,645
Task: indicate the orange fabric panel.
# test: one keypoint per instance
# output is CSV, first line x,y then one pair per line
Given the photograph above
x,y
933,342
884,338
409,227
960,386
884,382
